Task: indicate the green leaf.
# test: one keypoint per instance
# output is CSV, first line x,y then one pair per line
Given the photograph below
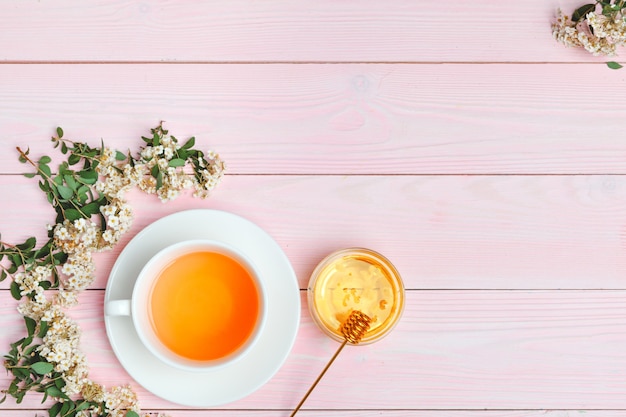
x,y
19,396
159,180
42,368
30,350
30,325
73,159
82,405
65,408
156,139
45,285
59,383
59,132
45,160
43,328
83,189
88,177
13,388
60,257
27,341
16,260
3,275
45,169
43,186
182,153
53,391
15,291
72,214
30,175
120,156
55,410
189,144
65,192
614,65
92,208
20,373
582,12
44,250
28,245
82,193
70,181
63,148
131,413
177,162
154,171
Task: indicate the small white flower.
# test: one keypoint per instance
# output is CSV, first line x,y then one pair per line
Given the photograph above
x,y
147,153
62,233
108,210
67,269
109,236
113,221
163,164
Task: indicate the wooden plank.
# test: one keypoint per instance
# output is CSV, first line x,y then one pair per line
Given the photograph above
x,y
452,350
360,413
331,119
441,232
281,30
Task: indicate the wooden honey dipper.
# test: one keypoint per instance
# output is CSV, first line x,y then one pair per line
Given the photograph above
x,y
353,330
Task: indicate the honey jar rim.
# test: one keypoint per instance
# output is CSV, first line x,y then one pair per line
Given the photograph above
x,y
394,278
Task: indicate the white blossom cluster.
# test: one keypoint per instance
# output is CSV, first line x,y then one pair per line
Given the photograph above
x,y
60,345
175,179
211,175
114,183
29,280
81,238
596,33
118,401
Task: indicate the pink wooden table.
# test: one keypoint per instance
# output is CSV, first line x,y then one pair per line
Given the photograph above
x,y
486,161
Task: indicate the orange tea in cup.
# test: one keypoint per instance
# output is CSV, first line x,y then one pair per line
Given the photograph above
x,y
204,305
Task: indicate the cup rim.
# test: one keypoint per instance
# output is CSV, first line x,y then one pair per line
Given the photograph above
x,y
141,317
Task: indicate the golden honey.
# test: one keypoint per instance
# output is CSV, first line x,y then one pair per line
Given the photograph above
x,y
356,279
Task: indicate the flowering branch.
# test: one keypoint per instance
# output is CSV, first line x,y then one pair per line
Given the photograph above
x,y
92,215
599,28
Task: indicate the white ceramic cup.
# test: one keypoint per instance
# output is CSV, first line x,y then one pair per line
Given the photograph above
x,y
138,306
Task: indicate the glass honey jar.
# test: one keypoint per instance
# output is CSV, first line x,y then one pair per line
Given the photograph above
x,y
356,279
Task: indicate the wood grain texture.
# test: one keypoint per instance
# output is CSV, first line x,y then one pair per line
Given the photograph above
x,y
441,232
356,413
457,138
452,350
282,30
332,119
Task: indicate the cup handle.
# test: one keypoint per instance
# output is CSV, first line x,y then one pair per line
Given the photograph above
x,y
117,308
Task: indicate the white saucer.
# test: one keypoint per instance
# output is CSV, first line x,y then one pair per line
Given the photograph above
x,y
241,378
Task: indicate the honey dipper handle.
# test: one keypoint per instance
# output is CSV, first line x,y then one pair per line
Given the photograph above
x,y
330,362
